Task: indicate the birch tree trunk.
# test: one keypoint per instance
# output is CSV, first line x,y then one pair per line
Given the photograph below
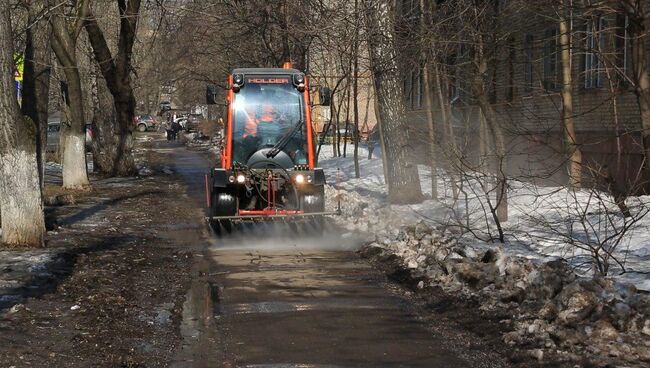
x,y
23,223
573,150
401,176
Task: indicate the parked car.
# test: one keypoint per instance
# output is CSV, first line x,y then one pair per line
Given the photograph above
x,y
54,133
145,122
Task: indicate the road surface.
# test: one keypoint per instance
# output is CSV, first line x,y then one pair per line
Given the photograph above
x,y
270,298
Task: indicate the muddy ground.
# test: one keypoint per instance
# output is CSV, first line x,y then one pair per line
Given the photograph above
x,y
115,281
125,259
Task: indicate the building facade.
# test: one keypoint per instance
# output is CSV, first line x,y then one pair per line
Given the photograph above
x,y
524,81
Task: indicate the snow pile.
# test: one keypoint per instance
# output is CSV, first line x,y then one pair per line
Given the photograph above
x,y
543,222
555,310
552,308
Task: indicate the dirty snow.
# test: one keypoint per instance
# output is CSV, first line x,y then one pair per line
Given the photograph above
x,y
541,223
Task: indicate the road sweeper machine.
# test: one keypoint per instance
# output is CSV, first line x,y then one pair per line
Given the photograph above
x,y
268,167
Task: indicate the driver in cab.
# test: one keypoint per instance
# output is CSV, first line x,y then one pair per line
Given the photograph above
x,y
263,114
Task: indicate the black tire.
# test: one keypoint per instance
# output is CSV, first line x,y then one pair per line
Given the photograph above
x,y
220,206
142,128
223,202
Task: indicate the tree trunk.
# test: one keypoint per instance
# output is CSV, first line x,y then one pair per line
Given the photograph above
x,y
347,118
36,80
499,162
573,150
23,223
75,174
426,15
117,74
428,96
122,154
402,176
448,129
104,122
635,12
355,86
73,133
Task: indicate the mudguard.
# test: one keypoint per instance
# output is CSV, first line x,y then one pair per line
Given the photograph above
x,y
219,178
319,177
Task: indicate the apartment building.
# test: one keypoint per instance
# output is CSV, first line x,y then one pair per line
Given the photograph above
x,y
524,83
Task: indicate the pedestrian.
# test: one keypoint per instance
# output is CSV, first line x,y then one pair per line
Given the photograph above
x,y
175,128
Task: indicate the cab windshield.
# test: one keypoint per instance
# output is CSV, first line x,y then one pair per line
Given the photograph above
x,y
268,112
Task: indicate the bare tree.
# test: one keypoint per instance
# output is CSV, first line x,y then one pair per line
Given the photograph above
x,y
573,149
638,35
117,150
355,88
23,223
481,62
36,76
402,176
426,19
65,35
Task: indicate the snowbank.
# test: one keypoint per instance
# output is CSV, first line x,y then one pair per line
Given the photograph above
x,y
541,225
535,277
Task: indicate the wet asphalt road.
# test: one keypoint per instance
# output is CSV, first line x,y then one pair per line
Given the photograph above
x,y
267,297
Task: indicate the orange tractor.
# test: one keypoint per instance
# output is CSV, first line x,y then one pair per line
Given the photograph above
x,y
268,165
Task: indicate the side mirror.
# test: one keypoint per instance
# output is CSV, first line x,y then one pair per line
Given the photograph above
x,y
324,96
211,94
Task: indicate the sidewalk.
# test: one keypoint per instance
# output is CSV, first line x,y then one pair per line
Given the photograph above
x,y
109,287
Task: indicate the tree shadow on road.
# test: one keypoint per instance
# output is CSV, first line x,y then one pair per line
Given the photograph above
x,y
86,213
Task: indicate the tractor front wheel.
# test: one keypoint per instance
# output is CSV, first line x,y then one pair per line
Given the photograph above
x,y
312,200
223,203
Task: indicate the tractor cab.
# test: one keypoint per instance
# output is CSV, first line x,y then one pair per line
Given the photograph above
x,y
268,159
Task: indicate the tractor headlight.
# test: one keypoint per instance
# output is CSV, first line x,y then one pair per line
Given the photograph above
x,y
309,179
300,178
241,179
231,179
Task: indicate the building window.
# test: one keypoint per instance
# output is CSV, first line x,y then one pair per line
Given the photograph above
x,y
595,39
528,62
551,60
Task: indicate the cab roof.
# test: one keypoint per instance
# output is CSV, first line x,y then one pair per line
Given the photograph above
x,y
265,71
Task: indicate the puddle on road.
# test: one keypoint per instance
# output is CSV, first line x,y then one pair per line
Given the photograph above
x,y
160,315
199,333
